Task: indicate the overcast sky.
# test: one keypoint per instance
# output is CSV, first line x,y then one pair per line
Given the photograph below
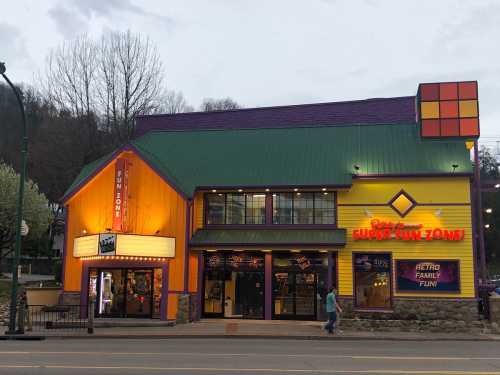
x,y
275,52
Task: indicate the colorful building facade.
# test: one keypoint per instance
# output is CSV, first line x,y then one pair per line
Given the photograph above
x,y
255,213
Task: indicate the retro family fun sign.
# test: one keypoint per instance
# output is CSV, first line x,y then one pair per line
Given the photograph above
x,y
388,230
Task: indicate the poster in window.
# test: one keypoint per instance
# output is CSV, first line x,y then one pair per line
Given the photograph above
x,y
428,276
107,244
372,262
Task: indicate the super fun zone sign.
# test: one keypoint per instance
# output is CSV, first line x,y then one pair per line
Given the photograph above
x,y
399,231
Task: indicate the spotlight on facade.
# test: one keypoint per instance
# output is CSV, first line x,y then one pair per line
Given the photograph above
x,y
356,167
84,231
488,210
240,190
497,186
487,226
454,166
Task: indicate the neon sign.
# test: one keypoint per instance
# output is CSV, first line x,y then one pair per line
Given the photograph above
x,y
120,201
387,230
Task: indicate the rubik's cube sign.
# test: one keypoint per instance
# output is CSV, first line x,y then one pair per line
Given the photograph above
x,y
448,109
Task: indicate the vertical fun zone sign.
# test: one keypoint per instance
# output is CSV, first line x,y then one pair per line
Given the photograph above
x,y
120,201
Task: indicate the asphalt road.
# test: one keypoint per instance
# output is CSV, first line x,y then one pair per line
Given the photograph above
x,y
247,357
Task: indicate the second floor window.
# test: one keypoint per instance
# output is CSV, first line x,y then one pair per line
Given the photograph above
x,y
304,208
236,208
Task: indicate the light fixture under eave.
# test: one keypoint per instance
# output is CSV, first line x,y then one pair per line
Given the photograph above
x,y
214,191
295,189
454,166
240,190
487,226
267,190
367,212
84,231
438,212
323,189
497,186
488,210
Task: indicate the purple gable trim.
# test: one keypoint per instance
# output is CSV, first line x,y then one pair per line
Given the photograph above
x,y
103,165
370,111
65,246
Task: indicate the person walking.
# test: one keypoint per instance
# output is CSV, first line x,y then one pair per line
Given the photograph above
x,y
332,307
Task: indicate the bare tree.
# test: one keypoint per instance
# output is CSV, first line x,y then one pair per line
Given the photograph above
x,y
224,104
130,80
173,102
105,83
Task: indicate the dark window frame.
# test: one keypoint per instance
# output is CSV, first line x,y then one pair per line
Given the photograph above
x,y
245,210
268,217
335,210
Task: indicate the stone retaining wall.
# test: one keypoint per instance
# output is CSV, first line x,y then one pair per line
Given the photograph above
x,y
418,309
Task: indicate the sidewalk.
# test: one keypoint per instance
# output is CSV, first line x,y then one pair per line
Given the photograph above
x,y
257,329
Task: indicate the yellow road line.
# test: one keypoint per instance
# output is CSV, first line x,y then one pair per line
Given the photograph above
x,y
374,357
264,370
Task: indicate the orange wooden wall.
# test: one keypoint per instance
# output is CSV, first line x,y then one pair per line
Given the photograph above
x,y
153,206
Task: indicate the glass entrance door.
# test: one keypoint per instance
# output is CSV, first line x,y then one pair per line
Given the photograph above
x,y
122,293
139,293
294,295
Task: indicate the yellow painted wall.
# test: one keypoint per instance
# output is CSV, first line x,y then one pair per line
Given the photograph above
x,y
198,211
440,191
153,206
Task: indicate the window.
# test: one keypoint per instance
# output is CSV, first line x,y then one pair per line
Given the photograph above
x,y
236,208
216,210
304,208
324,208
283,204
372,279
255,209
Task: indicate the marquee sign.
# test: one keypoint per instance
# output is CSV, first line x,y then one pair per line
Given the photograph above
x,y
120,198
427,276
387,230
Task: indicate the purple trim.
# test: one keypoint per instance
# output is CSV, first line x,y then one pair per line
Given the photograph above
x,y
385,204
408,196
164,292
270,226
268,286
371,111
329,277
84,182
246,244
269,209
479,213
391,276
431,292
186,246
65,246
199,291
165,178
84,287
393,175
474,238
274,188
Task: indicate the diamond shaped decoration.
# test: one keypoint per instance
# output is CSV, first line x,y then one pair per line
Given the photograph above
x,y
402,203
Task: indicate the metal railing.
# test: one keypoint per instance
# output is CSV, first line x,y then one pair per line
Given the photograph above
x,y
67,318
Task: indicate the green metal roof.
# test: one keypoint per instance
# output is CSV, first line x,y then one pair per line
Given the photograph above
x,y
299,156
268,237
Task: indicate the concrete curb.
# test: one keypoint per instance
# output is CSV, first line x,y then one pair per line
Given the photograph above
x,y
272,337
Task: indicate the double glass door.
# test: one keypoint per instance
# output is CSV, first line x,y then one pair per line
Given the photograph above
x,y
295,295
122,292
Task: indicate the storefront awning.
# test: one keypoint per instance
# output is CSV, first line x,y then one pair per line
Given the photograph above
x,y
268,237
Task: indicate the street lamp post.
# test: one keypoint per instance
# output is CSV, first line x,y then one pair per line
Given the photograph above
x,y
17,250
